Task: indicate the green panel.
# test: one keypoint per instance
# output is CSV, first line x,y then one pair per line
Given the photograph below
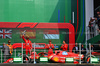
x,y
43,59
41,11
80,35
17,59
69,60
32,10
94,60
67,10
94,39
74,9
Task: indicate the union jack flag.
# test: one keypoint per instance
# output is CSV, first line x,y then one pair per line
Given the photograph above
x,y
5,33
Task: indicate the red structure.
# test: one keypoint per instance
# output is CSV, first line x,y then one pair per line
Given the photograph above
x,y
44,26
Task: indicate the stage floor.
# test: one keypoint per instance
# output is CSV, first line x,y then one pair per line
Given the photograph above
x,y
50,64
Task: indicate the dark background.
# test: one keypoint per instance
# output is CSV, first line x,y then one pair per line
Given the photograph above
x,y
96,4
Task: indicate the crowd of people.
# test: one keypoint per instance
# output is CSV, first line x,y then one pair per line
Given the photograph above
x,y
92,24
76,49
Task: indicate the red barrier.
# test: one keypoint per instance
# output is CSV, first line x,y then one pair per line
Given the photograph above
x,y
37,45
44,26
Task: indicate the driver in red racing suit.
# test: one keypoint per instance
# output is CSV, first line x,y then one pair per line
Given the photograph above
x,y
28,44
50,47
64,46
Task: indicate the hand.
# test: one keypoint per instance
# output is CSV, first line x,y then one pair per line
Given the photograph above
x,y
62,45
50,47
31,49
23,33
11,53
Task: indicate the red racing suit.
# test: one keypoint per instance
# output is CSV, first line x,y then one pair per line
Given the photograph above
x,y
64,47
50,48
28,45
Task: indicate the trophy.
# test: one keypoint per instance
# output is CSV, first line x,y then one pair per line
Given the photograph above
x,y
23,33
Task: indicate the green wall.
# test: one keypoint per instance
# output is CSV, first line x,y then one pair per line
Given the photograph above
x,y
43,11
33,10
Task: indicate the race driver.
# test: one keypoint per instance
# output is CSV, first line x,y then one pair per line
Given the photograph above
x,y
64,46
50,47
28,44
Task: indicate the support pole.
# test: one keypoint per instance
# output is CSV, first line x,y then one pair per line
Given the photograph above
x,y
34,54
73,16
15,52
1,55
22,52
90,52
80,53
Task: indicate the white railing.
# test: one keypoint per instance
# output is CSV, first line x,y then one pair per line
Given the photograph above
x,y
16,52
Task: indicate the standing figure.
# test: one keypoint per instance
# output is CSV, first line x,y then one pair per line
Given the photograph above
x,y
10,47
98,23
92,27
76,49
98,48
64,46
92,48
50,47
83,50
6,52
28,44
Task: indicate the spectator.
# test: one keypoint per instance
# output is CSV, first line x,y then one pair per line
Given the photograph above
x,y
50,47
98,23
92,48
98,48
96,26
76,49
6,52
92,27
83,50
10,47
64,46
97,13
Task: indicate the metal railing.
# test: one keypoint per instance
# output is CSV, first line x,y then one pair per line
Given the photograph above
x,y
89,52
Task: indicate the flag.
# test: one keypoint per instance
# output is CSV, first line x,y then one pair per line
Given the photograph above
x,y
5,33
51,34
30,33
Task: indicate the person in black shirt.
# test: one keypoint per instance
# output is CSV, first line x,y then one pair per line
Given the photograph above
x,y
92,48
76,49
98,48
83,50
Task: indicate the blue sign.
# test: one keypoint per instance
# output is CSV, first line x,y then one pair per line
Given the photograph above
x,y
64,53
56,47
1,46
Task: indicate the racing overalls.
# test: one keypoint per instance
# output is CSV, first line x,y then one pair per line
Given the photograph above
x,y
50,48
28,45
64,47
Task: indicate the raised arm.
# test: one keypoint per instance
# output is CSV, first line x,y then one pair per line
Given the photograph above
x,y
23,38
